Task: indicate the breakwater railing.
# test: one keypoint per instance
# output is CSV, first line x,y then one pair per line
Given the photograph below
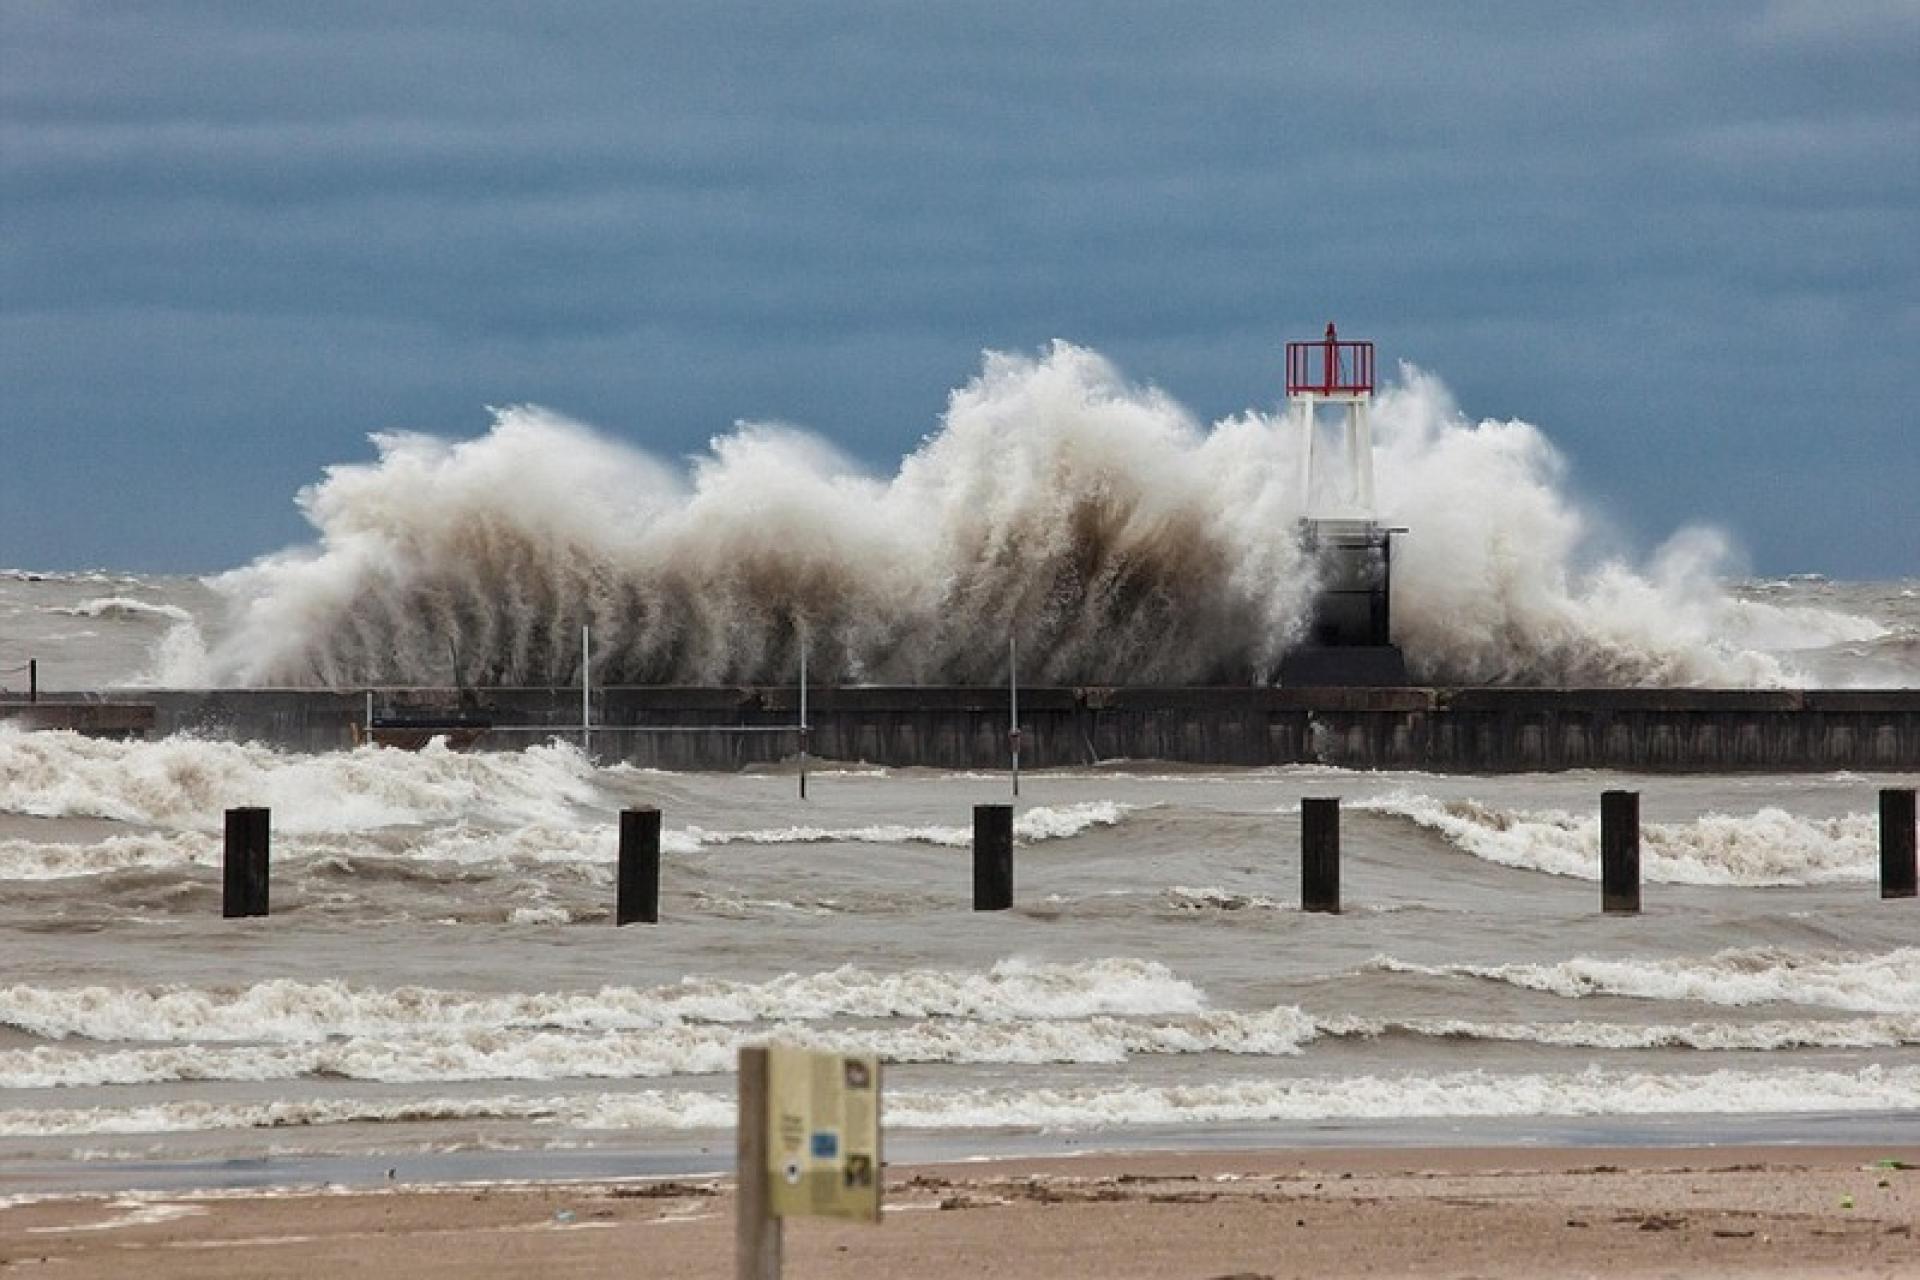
x,y
245,857
1481,730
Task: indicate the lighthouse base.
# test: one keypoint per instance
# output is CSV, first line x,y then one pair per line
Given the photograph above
x,y
1350,632
1363,665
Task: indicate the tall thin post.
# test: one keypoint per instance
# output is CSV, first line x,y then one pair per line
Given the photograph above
x,y
803,709
1320,855
638,898
244,863
586,693
1896,843
33,679
1620,852
756,1232
992,857
1013,709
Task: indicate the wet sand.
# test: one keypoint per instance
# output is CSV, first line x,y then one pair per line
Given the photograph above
x,y
1485,1212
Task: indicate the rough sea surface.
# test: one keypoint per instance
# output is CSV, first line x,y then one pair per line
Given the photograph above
x,y
441,975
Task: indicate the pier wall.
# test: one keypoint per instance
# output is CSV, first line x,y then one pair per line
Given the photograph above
x,y
1478,730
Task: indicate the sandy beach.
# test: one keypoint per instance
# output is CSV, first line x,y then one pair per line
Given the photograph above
x,y
1779,1211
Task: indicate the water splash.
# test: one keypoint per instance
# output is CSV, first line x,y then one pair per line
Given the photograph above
x,y
1119,540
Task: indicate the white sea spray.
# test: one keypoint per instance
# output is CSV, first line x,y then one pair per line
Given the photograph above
x,y
1117,538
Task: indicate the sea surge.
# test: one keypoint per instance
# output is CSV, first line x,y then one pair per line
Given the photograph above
x,y
1095,521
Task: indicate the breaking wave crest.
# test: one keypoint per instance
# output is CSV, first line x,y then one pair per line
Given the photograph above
x,y
1885,983
1099,523
1770,847
123,607
185,782
1595,1091
286,1011
469,1054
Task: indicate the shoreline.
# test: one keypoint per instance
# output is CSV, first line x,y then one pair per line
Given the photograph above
x,y
378,1160
1830,1210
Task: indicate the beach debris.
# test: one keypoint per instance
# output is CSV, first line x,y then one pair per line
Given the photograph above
x,y
1846,1202
666,1190
563,1216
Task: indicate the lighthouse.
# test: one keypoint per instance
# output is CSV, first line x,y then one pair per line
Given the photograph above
x,y
1349,637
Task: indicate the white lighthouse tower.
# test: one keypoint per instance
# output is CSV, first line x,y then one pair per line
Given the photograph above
x,y
1350,635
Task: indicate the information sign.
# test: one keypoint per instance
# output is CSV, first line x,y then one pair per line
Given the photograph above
x,y
823,1134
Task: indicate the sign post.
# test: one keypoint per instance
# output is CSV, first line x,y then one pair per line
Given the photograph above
x,y
809,1146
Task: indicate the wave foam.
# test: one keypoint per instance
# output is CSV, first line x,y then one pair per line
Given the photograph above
x,y
1763,1037
188,783
1042,822
687,1049
287,1011
1465,1094
1885,983
122,607
1770,847
29,860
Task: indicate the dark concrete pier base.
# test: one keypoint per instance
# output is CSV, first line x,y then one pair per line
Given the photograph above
x,y
1482,730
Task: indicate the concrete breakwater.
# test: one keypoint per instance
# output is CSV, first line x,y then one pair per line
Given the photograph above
x,y
1466,730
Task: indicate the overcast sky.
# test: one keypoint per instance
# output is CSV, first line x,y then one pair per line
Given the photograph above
x,y
234,239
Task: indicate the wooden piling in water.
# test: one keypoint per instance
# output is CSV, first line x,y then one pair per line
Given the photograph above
x,y
992,857
244,864
1620,852
638,895
1320,855
1897,843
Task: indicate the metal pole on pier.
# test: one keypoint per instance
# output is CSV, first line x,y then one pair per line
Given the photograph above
x,y
1013,709
586,693
33,679
803,709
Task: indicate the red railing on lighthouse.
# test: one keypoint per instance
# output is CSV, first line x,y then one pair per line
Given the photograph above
x,y
1330,366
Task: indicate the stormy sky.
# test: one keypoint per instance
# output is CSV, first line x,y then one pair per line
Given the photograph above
x,y
236,238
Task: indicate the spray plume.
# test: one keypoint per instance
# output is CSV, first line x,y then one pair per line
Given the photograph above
x,y
1120,542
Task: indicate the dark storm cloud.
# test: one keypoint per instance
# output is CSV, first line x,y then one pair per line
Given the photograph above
x,y
237,238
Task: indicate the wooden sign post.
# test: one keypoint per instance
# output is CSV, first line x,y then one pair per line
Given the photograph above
x,y
809,1146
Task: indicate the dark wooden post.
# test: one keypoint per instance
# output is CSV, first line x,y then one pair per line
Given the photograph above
x,y
245,865
992,857
1320,855
639,891
1620,852
1896,843
33,679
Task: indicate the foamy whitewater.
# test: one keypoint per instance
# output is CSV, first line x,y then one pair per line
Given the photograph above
x,y
441,975
1117,538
